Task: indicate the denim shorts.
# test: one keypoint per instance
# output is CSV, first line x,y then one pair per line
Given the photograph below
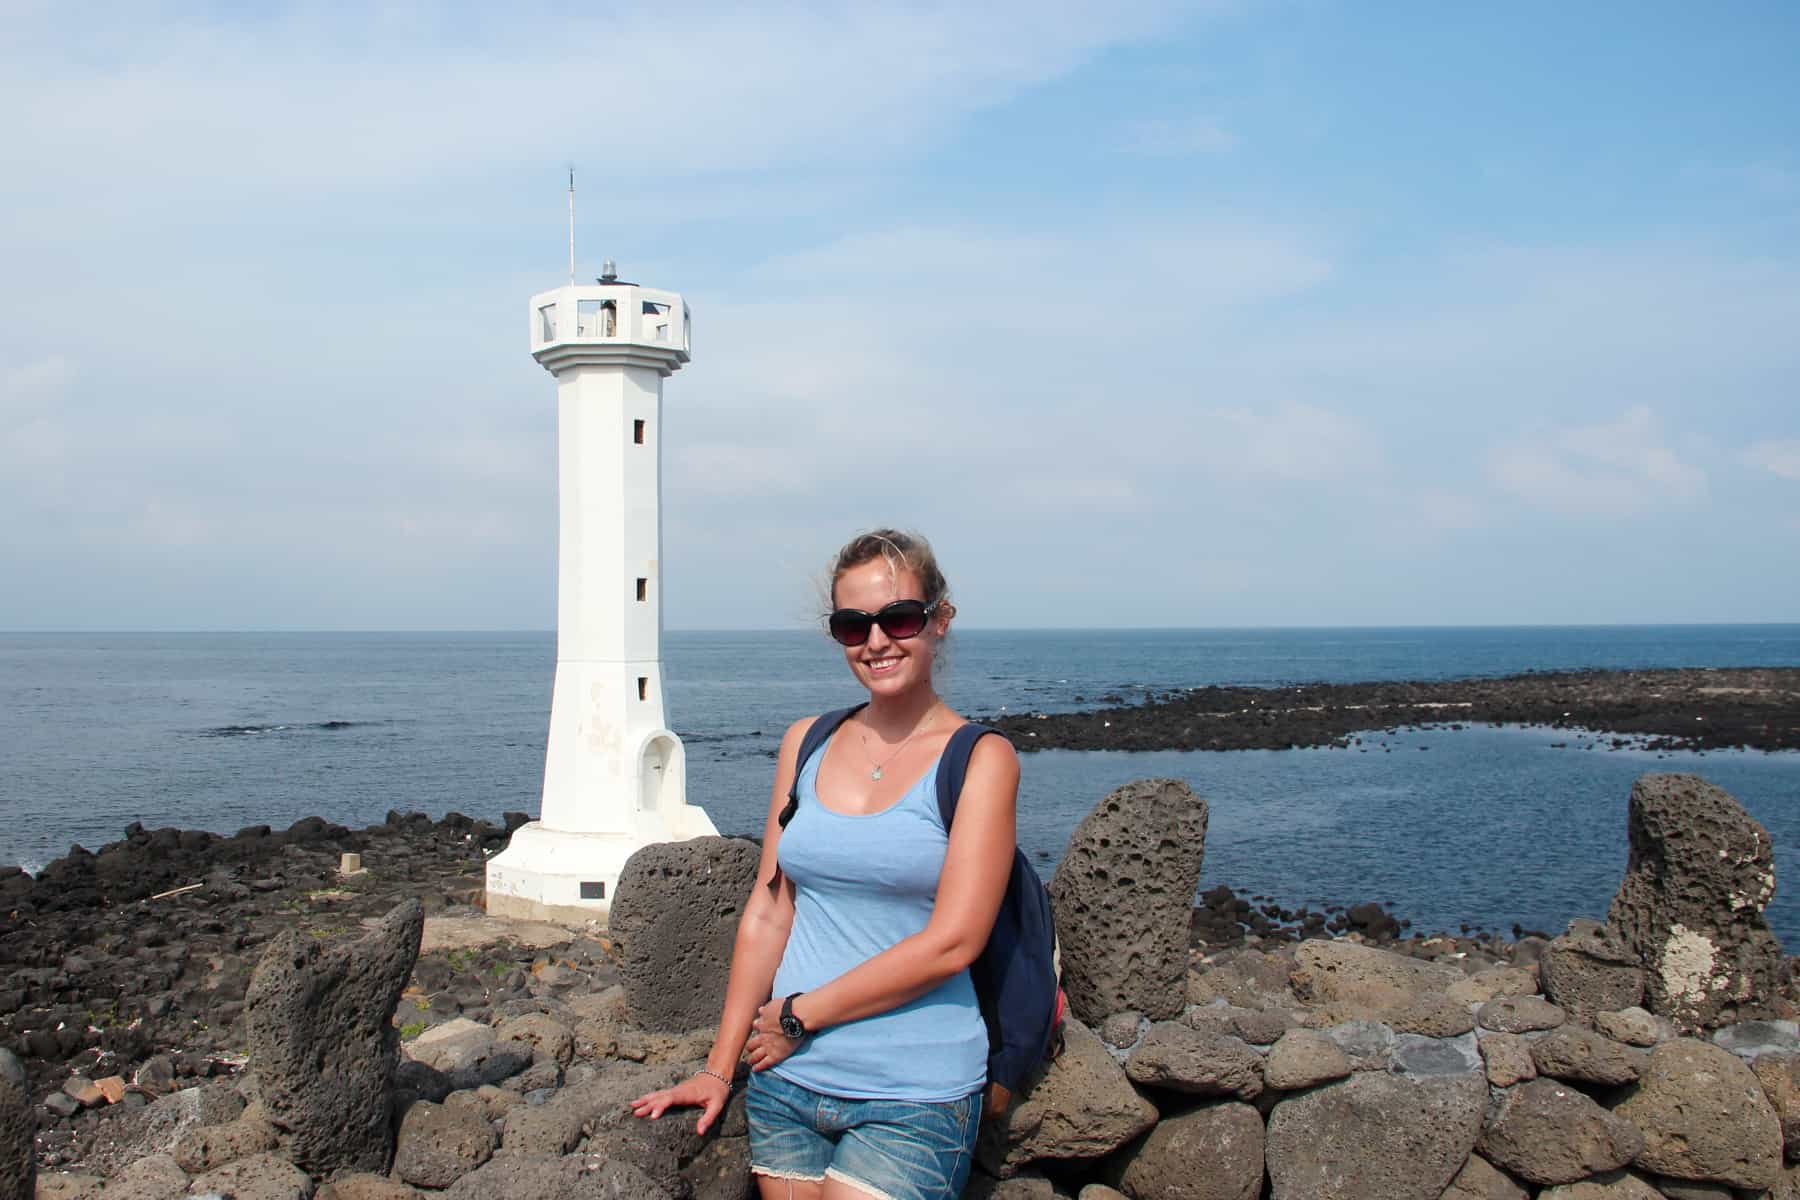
x,y
892,1149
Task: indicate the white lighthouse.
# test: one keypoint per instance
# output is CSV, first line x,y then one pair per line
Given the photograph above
x,y
615,777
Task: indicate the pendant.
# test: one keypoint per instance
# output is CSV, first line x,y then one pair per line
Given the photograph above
x,y
875,774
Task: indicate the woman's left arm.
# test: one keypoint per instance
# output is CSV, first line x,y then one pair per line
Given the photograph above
x,y
977,865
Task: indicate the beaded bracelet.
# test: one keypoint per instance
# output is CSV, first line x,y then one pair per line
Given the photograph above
x,y
717,1076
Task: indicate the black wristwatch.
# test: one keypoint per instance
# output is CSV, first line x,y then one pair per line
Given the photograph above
x,y
792,1027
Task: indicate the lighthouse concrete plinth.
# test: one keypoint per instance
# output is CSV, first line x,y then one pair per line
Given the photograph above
x,y
615,777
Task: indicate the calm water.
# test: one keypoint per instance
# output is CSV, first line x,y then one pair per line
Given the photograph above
x,y
1487,825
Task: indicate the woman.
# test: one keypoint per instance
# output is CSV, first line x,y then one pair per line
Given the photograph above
x,y
849,993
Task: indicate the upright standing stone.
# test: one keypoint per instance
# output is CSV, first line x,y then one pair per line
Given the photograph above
x,y
675,921
323,1043
1690,907
1124,895
18,1151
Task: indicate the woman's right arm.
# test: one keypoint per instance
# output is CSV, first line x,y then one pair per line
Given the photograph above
x,y
762,935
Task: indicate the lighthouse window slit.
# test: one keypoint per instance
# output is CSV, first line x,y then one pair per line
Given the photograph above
x,y
643,590
637,432
643,687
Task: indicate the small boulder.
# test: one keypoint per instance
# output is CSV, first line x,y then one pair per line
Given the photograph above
x,y
1548,1133
153,1177
1304,1058
1690,908
550,1039
361,1185
1580,1055
1704,1116
1373,1135
1377,981
206,1147
1507,1057
1481,1180
1752,1039
1210,1153
1181,1059
259,1177
1634,1027
1613,1185
675,918
1123,898
1435,1014
1083,1106
320,1029
541,1177
1779,1075
1588,971
1122,1030
18,1144
439,1145
1519,1014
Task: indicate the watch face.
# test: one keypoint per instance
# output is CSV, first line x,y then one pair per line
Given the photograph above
x,y
791,1026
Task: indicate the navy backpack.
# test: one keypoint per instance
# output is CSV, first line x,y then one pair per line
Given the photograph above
x,y
1015,975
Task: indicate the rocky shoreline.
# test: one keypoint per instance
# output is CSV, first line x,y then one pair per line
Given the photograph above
x,y
133,962
403,1057
1706,709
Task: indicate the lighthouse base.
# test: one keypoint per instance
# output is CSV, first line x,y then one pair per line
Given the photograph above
x,y
569,878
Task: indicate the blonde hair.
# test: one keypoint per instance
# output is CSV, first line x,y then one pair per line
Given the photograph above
x,y
899,549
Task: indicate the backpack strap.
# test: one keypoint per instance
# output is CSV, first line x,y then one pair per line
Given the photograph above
x,y
954,766
815,736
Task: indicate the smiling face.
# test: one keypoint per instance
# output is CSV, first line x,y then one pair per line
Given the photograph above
x,y
886,666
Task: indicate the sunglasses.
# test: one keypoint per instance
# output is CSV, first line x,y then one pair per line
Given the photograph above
x,y
900,620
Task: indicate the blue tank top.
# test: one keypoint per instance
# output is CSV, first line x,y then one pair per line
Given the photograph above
x,y
861,884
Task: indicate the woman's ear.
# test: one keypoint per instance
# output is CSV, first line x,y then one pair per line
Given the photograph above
x,y
944,614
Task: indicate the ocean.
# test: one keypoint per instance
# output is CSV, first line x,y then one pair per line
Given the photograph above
x,y
1486,826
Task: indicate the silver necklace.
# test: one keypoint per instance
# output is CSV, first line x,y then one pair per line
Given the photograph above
x,y
875,768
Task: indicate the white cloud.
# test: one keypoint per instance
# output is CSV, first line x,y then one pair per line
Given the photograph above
x,y
1782,457
1617,469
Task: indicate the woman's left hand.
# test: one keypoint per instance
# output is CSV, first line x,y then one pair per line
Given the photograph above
x,y
768,1045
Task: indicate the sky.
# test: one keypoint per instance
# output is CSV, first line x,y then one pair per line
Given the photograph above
x,y
1261,314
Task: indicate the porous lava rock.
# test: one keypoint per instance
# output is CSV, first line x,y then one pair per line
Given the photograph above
x,y
153,1177
1579,1055
1210,1153
1303,1058
361,1185
675,920
1374,980
542,1177
1704,1116
1547,1133
1123,894
1373,1135
320,1027
18,1132
1480,1179
1588,971
1779,1075
439,1145
1181,1059
1690,907
259,1177
1613,1185
1082,1106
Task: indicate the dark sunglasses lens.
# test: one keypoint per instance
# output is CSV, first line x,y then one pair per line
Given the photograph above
x,y
902,619
850,627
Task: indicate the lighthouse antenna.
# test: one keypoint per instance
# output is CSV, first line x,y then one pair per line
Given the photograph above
x,y
571,224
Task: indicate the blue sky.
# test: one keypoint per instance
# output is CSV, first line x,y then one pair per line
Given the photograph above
x,y
1287,313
